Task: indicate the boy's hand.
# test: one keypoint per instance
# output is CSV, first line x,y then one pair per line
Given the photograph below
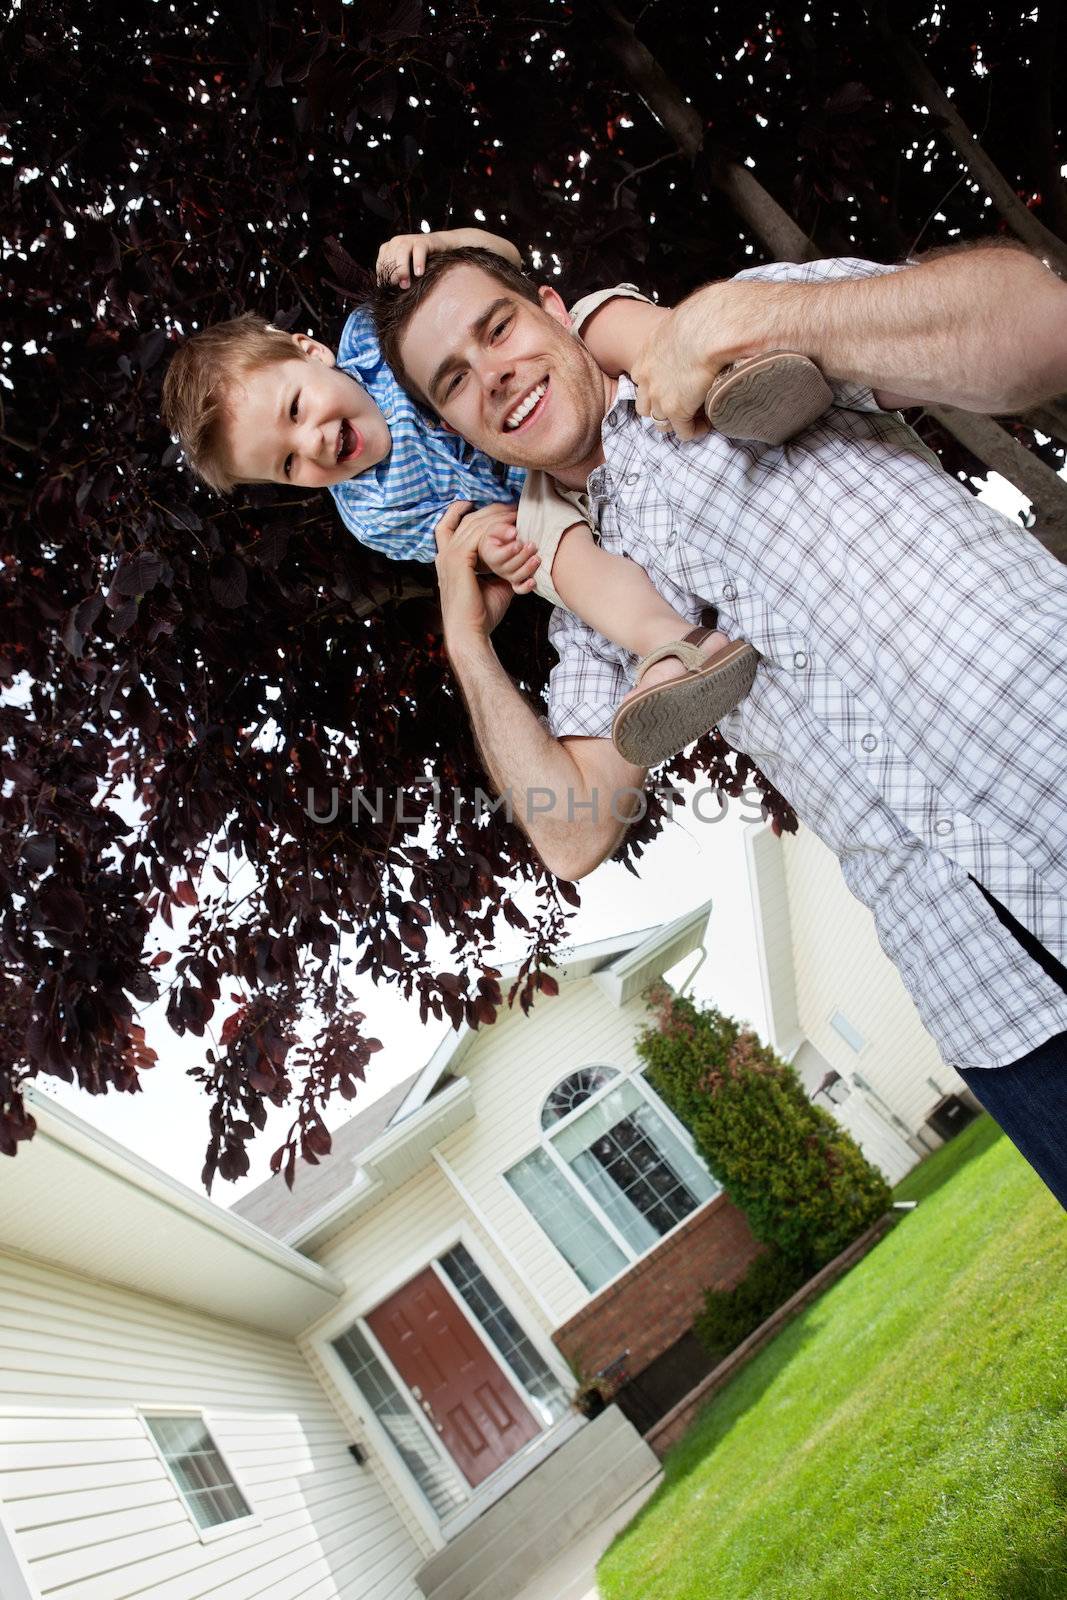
x,y
500,549
404,256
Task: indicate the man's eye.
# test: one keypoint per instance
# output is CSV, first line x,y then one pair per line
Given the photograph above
x,y
453,384
501,326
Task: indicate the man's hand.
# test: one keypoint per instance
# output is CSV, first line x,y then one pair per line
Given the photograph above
x,y
470,607
689,347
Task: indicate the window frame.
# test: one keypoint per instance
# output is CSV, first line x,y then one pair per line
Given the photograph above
x,y
220,1530
634,1075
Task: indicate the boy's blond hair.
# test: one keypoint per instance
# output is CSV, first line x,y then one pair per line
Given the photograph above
x,y
199,382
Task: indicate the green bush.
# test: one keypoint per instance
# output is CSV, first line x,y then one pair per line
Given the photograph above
x,y
729,1315
801,1180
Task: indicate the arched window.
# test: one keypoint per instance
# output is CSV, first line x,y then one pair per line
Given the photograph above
x,y
574,1091
613,1174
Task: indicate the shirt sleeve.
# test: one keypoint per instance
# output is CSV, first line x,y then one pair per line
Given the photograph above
x,y
588,681
583,309
403,533
849,396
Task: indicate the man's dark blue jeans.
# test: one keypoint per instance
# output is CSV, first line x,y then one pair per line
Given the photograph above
x,y
1029,1097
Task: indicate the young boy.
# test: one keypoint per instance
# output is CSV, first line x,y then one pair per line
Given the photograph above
x,y
252,404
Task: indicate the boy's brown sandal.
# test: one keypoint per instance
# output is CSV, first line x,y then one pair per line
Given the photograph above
x,y
659,721
768,397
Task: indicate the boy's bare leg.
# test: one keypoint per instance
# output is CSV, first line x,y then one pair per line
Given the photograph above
x,y
616,597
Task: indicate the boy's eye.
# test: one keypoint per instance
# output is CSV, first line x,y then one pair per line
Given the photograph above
x,y
293,408
288,465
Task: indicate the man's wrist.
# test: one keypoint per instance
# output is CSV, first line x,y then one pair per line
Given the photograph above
x,y
467,647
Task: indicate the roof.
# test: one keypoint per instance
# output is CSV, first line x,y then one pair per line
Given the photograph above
x,y
84,1203
279,1209
321,1195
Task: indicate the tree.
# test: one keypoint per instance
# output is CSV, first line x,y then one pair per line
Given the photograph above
x,y
803,1183
223,661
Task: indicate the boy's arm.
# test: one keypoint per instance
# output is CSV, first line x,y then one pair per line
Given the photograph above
x,y
404,256
615,332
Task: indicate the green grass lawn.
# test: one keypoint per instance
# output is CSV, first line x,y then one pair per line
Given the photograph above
x,y
906,1436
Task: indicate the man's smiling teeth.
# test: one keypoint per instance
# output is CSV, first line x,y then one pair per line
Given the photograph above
x,y
524,407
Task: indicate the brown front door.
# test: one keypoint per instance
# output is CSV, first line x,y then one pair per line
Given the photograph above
x,y
474,1408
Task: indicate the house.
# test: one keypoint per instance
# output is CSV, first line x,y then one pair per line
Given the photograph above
x,y
363,1389
837,1009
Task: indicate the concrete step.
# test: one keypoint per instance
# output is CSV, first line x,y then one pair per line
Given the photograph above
x,y
585,1480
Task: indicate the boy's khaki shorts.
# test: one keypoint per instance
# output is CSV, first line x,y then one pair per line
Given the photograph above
x,y
546,509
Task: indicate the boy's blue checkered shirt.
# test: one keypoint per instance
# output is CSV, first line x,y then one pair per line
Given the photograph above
x,y
395,506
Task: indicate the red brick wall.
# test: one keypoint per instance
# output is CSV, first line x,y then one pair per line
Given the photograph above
x,y
655,1303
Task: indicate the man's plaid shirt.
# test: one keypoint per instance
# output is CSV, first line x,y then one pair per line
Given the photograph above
x,y
911,702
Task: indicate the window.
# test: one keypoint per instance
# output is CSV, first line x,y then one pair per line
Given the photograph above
x,y
202,1476
573,1092
612,1176
583,1242
435,1477
852,1036
518,1351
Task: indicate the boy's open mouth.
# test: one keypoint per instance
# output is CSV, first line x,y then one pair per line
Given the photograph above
x,y
349,442
527,409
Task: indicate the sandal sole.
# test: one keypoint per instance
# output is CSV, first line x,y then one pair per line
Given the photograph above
x,y
770,401
661,720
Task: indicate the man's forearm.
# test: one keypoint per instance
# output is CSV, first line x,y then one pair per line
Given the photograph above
x,y
984,328
570,827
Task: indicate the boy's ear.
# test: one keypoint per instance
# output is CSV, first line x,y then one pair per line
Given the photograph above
x,y
554,305
314,348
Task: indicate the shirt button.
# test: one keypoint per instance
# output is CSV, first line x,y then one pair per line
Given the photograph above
x,y
800,659
632,477
943,825
869,742
613,419
729,592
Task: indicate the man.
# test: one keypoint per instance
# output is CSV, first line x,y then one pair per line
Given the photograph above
x,y
911,702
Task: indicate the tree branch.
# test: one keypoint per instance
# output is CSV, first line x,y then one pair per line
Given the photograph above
x,y
929,92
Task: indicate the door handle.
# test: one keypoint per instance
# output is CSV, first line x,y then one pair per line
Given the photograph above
x,y
428,1408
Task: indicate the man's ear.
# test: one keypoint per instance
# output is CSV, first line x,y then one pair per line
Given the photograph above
x,y
554,305
314,348
447,426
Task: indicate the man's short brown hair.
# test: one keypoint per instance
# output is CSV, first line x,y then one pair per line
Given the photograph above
x,y
393,307
200,380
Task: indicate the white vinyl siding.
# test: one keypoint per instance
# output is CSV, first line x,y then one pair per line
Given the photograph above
x,y
90,1505
849,973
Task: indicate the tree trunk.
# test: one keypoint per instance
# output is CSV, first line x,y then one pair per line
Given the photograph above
x,y
929,92
1003,453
